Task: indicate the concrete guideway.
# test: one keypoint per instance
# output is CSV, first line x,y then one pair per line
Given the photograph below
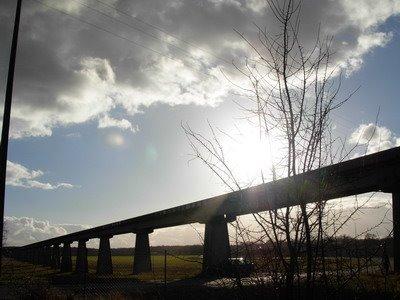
x,y
372,173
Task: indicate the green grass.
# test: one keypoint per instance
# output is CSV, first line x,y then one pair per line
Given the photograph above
x,y
176,268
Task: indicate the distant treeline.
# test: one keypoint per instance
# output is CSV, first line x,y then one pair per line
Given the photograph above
x,y
155,250
342,246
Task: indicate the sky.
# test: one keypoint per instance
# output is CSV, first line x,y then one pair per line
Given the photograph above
x,y
102,87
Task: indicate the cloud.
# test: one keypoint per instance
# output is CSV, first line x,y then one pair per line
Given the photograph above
x,y
26,230
363,17
20,176
106,122
365,14
375,138
366,42
70,73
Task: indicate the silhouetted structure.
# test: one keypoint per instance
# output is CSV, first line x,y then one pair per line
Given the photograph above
x,y
371,173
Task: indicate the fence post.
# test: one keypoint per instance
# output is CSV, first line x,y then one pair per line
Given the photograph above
x,y
165,267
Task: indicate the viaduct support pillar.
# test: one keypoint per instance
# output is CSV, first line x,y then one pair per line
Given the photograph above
x,y
55,257
21,255
14,254
81,258
42,256
104,262
66,259
36,256
31,255
142,258
216,250
47,256
396,230
28,255
18,255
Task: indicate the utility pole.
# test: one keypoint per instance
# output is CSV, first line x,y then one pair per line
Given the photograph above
x,y
6,123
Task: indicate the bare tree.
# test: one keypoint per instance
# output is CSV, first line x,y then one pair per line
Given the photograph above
x,y
290,90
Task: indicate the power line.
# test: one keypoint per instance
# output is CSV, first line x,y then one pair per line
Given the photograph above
x,y
185,52
344,119
158,28
123,38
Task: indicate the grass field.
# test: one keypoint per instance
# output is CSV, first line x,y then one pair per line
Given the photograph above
x,y
178,267
186,266
21,278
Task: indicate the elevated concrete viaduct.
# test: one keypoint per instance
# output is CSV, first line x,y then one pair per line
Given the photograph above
x,y
371,173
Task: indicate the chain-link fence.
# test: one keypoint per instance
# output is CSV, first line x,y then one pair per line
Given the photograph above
x,y
178,274
26,279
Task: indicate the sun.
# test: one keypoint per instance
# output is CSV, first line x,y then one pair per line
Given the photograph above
x,y
251,156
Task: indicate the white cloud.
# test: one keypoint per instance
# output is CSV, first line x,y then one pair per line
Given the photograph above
x,y
375,138
25,230
106,122
362,17
20,176
78,74
257,5
97,69
93,97
173,83
365,14
366,43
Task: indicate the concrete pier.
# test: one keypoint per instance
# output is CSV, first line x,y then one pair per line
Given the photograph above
x,y
42,256
29,256
66,259
142,257
104,262
55,257
32,256
81,258
47,256
36,256
217,250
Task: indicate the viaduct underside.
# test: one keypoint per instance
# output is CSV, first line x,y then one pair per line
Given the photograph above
x,y
379,172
